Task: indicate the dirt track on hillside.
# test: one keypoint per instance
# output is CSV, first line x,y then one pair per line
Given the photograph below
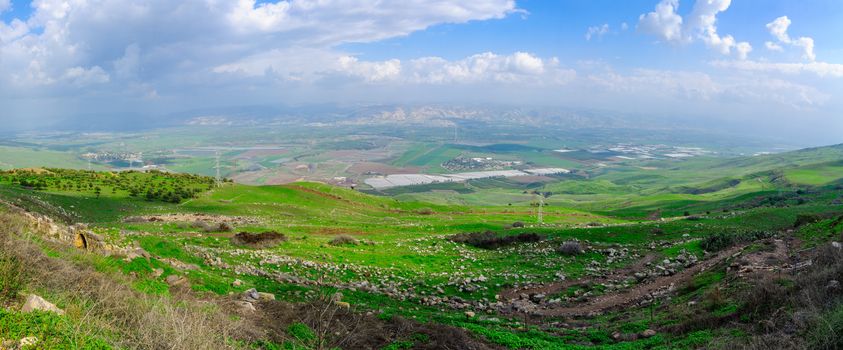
x,y
624,298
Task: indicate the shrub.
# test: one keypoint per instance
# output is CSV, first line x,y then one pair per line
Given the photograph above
x,y
570,248
343,240
723,240
425,211
212,227
491,240
11,277
804,219
258,240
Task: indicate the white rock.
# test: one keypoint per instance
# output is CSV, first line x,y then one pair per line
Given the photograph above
x,y
28,341
34,302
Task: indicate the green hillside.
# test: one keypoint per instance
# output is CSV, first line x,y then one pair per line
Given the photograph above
x,y
492,273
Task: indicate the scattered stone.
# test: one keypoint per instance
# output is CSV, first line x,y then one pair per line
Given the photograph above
x,y
157,273
648,333
237,283
266,296
342,304
28,341
469,314
833,284
34,302
837,245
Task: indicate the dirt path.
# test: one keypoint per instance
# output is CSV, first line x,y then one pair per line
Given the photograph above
x,y
628,297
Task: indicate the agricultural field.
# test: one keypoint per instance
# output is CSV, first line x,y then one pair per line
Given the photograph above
x,y
620,259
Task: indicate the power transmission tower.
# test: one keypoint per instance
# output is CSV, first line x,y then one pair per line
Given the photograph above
x,y
539,212
541,204
217,153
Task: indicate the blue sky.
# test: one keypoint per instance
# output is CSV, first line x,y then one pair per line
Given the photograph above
x,y
772,61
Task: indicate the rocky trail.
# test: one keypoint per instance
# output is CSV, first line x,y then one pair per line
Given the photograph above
x,y
603,303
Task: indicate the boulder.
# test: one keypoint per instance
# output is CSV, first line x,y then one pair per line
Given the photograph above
x,y
266,296
34,302
648,333
251,295
175,280
469,314
244,306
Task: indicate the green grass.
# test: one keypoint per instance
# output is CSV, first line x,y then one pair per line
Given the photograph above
x,y
51,331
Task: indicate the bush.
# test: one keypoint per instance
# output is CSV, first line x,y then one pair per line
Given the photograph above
x,y
212,227
491,240
12,277
804,219
343,240
570,248
258,240
723,240
425,211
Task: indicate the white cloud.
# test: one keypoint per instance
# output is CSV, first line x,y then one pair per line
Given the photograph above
x,y
743,49
821,69
773,46
5,5
160,43
356,21
703,21
80,76
517,68
370,71
700,24
778,28
664,22
624,26
597,31
683,87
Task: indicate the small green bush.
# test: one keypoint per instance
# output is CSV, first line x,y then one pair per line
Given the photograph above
x,y
12,277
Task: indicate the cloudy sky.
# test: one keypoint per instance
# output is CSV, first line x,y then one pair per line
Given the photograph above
x,y
758,61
